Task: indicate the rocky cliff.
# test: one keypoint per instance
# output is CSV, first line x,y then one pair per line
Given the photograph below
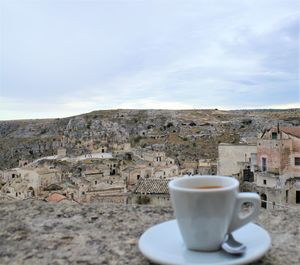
x,y
183,134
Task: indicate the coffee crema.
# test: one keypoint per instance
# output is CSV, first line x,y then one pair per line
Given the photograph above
x,y
207,187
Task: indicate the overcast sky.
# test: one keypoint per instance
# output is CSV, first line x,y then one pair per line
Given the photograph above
x,y
61,58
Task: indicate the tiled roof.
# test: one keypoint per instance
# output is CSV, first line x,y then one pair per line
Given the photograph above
x,y
295,131
152,186
56,197
52,187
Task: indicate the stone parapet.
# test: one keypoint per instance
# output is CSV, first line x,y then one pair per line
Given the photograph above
x,y
36,232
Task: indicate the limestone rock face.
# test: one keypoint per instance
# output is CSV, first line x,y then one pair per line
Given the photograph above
x,y
36,232
183,134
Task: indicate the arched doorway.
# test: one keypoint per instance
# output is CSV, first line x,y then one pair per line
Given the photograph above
x,y
30,192
263,201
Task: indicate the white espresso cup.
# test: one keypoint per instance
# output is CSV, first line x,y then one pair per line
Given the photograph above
x,y
209,207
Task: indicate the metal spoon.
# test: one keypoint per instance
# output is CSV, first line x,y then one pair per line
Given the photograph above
x,y
231,246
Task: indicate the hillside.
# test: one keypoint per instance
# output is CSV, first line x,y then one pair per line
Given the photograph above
x,y
183,134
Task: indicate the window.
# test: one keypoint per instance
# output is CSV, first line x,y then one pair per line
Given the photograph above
x,y
297,161
13,175
265,182
274,135
263,201
138,176
264,164
95,182
297,196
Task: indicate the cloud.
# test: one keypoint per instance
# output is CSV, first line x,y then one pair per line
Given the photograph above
x,y
152,103
73,57
294,105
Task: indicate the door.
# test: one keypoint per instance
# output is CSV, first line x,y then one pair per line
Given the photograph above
x,y
298,196
264,164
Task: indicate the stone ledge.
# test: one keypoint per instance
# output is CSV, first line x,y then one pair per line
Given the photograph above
x,y
36,232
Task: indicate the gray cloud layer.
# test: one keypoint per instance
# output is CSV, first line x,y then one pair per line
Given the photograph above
x,y
59,58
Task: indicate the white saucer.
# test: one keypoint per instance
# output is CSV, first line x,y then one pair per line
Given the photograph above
x,y
163,244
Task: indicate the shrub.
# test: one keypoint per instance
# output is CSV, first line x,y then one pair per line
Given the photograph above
x,y
143,199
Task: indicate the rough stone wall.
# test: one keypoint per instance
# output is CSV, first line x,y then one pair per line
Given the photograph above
x,y
272,151
230,155
36,232
295,153
296,144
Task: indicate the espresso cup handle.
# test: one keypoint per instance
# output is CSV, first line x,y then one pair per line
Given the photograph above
x,y
238,220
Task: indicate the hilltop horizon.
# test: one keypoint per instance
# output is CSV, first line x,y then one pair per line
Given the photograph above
x,y
149,109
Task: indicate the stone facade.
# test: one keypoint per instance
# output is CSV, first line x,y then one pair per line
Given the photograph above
x,y
207,167
151,191
61,152
273,165
233,158
22,183
23,163
278,153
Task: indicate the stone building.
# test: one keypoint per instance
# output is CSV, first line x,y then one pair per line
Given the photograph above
x,y
121,147
23,163
100,170
278,162
206,167
273,165
27,182
233,159
61,152
99,181
166,171
153,157
188,168
148,164
151,191
116,194
18,189
9,174
113,165
1,176
78,191
132,174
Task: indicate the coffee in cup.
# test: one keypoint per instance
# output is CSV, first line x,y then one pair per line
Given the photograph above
x,y
208,207
207,187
